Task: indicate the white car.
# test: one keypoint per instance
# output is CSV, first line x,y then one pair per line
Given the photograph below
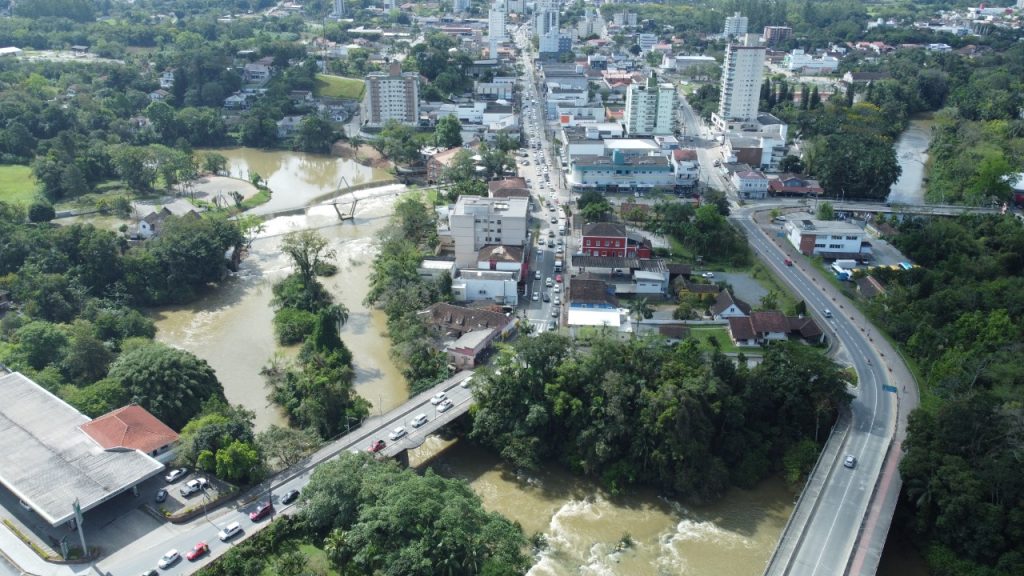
x,y
229,531
444,406
465,383
418,421
397,433
708,275
169,559
438,398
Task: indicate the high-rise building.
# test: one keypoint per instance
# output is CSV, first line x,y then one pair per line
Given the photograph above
x,y
650,108
339,8
391,95
516,6
735,25
496,24
461,5
775,34
742,73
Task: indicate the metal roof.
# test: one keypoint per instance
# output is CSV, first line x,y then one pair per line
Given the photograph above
x,y
47,461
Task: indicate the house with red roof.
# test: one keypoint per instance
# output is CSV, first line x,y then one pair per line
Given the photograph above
x,y
793,185
133,428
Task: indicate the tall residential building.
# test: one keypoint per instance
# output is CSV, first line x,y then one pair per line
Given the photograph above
x,y
650,109
339,8
461,5
476,222
742,73
496,24
775,34
735,25
517,6
391,95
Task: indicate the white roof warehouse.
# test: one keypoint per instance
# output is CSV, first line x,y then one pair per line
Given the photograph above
x,y
47,461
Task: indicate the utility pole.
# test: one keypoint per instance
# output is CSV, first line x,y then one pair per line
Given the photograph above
x,y
80,521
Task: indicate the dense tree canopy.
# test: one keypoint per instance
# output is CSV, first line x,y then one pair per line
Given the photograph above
x,y
170,383
641,412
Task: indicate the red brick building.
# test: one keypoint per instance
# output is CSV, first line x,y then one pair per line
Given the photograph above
x,y
611,239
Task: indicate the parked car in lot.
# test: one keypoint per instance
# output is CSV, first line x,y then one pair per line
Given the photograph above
x,y
397,433
161,495
170,558
290,496
262,511
197,551
194,486
175,475
444,406
229,531
438,398
376,446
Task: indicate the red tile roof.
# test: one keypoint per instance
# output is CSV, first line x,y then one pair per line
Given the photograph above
x,y
130,427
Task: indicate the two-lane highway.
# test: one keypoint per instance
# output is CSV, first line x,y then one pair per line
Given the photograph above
x,y
824,544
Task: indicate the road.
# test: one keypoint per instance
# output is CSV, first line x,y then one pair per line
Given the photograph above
x,y
544,174
826,542
144,553
708,149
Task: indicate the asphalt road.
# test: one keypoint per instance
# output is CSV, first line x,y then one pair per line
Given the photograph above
x,y
828,538
146,551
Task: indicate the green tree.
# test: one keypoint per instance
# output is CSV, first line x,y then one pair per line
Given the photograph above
x,y
214,163
448,132
826,211
640,309
170,383
41,343
87,358
97,398
308,251
41,211
239,462
315,134
285,447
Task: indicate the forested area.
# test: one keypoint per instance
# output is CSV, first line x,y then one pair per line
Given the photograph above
x,y
75,329
959,317
397,288
641,412
371,517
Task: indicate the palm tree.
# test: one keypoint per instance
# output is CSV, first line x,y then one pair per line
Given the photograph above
x,y
639,309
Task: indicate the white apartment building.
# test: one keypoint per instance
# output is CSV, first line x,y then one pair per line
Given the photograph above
x,y
461,5
496,24
646,41
650,108
476,222
735,25
798,60
392,95
473,285
742,73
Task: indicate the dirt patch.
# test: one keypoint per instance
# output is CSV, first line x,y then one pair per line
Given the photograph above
x,y
366,155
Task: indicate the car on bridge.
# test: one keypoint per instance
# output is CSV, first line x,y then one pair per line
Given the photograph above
x,y
444,406
397,433
377,446
438,398
262,511
418,421
197,551
169,559
850,462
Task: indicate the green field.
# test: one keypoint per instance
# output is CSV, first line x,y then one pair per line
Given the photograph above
x,y
17,186
339,87
721,334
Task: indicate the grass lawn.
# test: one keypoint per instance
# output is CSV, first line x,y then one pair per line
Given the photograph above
x,y
703,335
17,186
316,562
339,87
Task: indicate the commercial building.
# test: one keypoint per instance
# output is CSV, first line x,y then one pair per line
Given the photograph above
x,y
650,108
52,456
798,60
391,95
829,239
476,222
619,173
612,239
735,25
742,73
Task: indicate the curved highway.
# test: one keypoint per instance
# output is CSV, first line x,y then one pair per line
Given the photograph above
x,y
825,542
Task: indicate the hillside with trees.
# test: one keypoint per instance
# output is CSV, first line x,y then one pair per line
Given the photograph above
x,y
959,316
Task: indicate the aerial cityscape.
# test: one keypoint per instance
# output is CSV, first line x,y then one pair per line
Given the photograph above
x,y
509,287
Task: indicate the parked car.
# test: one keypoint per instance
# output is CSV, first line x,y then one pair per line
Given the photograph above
x,y
552,325
290,496
161,495
169,559
397,433
262,511
558,278
194,486
438,398
850,462
546,297
376,446
418,421
175,475
554,312
229,531
197,551
444,406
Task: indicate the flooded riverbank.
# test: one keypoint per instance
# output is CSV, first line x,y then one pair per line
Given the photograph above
x,y
912,155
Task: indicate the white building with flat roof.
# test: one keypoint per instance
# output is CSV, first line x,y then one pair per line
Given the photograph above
x,y
798,60
826,238
742,74
650,108
476,222
735,25
474,285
